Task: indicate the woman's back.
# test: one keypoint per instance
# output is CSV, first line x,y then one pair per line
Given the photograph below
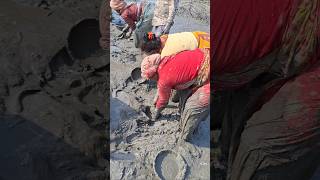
x,y
177,70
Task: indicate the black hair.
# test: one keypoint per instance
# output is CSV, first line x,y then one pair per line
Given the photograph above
x,y
150,43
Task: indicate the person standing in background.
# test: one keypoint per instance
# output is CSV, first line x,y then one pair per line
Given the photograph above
x,y
164,14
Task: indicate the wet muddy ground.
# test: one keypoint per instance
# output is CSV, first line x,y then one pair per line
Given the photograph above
x,y
53,91
138,144
54,98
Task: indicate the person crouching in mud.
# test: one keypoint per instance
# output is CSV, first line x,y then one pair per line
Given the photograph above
x,y
164,14
138,17
188,71
170,44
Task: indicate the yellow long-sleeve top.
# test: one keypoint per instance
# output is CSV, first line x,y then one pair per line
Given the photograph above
x,y
185,41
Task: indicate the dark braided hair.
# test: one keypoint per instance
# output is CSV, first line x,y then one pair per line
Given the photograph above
x,y
150,43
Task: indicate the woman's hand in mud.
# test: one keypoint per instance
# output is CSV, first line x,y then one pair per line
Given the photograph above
x,y
125,35
123,32
157,114
128,34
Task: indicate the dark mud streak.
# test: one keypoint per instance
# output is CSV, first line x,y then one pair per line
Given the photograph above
x,y
105,68
84,92
22,95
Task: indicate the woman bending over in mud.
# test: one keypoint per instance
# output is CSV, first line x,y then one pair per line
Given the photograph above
x,y
167,45
188,71
138,17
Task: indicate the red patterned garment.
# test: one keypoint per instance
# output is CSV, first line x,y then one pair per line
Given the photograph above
x,y
130,15
177,72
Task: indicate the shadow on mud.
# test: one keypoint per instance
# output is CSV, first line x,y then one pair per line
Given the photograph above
x,y
32,153
83,39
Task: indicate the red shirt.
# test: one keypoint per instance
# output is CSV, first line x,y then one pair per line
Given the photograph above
x,y
177,72
130,15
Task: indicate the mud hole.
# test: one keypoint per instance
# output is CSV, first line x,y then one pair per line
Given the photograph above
x,y
136,140
170,165
82,40
53,90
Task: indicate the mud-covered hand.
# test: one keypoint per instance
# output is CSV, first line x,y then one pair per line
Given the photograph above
x,y
123,32
157,114
128,33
